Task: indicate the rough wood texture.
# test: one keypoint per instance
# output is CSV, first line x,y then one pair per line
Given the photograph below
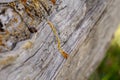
x,y
85,28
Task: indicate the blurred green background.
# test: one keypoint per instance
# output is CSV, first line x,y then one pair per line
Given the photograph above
x,y
109,69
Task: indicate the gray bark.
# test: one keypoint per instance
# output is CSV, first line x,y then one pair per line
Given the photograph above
x,y
85,28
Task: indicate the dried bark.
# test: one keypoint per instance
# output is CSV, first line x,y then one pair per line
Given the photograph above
x,y
85,28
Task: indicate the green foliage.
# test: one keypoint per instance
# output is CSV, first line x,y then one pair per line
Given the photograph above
x,y
109,69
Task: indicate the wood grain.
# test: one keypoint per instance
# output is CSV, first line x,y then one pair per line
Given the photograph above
x,y
85,28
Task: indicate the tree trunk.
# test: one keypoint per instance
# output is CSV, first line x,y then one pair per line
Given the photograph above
x,y
85,28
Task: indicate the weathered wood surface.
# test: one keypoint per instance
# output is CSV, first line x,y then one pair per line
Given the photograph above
x,y
85,28
6,1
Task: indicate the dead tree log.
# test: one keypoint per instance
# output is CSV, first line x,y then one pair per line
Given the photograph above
x,y
85,28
